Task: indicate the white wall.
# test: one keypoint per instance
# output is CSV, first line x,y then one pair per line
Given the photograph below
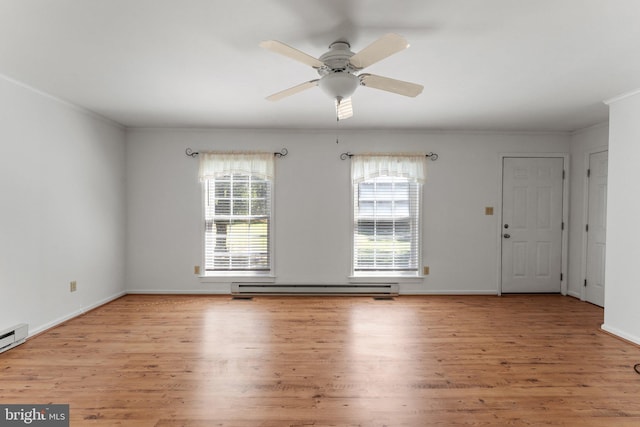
x,y
312,204
583,142
622,291
62,213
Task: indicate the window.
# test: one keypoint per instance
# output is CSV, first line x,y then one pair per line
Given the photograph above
x,y
237,212
386,214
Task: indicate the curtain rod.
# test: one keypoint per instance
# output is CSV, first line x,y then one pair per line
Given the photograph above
x,y
344,156
282,153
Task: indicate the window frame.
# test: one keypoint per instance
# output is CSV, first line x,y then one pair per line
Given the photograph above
x,y
359,275
224,276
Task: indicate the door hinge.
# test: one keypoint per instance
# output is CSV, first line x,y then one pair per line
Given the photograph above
x,y
561,276
585,283
586,228
563,173
562,227
588,173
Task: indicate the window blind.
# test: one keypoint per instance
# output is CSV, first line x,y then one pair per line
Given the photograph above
x,y
386,213
238,211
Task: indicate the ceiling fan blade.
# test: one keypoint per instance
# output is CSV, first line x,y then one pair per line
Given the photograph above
x,y
344,109
293,90
293,53
391,85
382,48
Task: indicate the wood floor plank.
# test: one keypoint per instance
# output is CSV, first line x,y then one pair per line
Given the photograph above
x,y
167,361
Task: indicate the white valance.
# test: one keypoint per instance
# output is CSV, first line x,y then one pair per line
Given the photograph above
x,y
216,165
368,166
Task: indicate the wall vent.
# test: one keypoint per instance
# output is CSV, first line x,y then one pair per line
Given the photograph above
x,y
12,337
367,289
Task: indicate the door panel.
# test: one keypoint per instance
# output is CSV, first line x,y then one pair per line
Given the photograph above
x,y
543,257
532,224
597,232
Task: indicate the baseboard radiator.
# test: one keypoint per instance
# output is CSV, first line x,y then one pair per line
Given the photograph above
x,y
12,337
373,289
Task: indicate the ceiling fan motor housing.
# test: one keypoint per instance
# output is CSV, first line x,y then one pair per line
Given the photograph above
x,y
337,79
337,59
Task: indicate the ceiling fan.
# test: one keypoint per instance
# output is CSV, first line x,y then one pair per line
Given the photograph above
x,y
339,67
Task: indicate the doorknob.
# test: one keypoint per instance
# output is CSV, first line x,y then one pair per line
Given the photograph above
x,y
506,236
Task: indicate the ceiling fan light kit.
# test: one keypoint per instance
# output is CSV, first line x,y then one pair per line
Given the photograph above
x,y
337,69
339,85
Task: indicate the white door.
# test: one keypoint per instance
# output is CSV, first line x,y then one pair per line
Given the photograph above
x,y
596,227
532,224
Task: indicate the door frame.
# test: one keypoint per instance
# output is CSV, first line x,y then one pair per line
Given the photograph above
x,y
585,215
565,214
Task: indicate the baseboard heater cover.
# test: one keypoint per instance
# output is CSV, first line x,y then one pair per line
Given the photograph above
x,y
12,337
314,289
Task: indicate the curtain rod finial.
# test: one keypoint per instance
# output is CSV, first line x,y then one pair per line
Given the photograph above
x,y
281,153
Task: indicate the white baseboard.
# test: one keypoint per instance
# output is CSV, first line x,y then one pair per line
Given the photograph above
x,y
73,314
228,292
448,292
619,333
179,292
574,294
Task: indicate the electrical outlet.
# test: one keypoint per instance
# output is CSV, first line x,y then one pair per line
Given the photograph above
x,y
196,269
73,286
488,210
425,271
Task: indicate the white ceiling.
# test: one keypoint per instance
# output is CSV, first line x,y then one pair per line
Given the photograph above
x,y
485,64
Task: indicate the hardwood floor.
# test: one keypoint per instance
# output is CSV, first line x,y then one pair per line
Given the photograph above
x,y
172,361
